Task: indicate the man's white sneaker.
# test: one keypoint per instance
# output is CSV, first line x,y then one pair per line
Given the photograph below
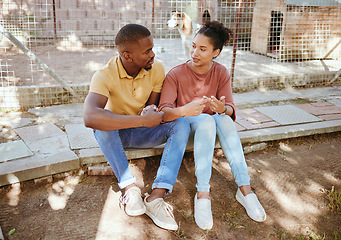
x,y
132,202
203,213
161,213
252,206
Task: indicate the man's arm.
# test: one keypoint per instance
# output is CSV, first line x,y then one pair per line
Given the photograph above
x,y
154,98
96,117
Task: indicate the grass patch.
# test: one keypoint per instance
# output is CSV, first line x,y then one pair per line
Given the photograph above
x,y
334,198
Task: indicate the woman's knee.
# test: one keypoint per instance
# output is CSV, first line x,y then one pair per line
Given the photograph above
x,y
224,121
206,121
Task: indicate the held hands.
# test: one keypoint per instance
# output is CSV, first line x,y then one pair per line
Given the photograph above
x,y
152,117
216,105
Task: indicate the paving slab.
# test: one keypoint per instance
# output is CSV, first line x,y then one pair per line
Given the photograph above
x,y
80,137
50,145
14,150
336,101
288,114
14,120
290,131
40,131
37,166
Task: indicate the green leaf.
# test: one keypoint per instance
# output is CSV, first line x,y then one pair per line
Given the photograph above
x,y
12,231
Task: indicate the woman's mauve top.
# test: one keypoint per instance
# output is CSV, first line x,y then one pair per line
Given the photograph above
x,y
182,85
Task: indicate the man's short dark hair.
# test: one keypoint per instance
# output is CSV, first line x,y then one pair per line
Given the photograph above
x,y
130,34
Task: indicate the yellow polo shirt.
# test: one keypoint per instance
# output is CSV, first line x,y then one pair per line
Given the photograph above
x,y
126,95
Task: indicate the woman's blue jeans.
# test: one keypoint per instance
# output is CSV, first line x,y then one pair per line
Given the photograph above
x,y
204,129
174,134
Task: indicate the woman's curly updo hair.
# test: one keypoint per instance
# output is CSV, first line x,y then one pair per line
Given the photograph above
x,y
217,33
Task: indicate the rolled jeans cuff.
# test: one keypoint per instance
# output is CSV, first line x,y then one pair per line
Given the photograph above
x,y
127,182
167,186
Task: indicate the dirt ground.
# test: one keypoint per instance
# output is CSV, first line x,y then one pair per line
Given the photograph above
x,y
291,179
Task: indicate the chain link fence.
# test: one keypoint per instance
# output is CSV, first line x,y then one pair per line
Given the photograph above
x,y
60,43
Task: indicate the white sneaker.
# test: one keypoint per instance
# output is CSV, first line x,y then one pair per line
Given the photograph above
x,y
161,213
202,213
132,202
252,206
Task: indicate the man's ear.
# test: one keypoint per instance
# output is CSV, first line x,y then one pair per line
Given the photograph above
x,y
127,56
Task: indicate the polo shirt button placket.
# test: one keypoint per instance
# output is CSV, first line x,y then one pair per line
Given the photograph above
x,y
134,90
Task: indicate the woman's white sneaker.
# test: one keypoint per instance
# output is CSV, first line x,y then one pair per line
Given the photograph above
x,y
203,213
252,206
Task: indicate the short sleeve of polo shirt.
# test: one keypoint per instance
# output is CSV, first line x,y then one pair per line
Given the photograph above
x,y
98,83
159,75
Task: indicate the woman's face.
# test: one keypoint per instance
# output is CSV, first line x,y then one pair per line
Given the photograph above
x,y
202,51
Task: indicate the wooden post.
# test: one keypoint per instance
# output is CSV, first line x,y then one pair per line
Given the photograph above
x,y
235,40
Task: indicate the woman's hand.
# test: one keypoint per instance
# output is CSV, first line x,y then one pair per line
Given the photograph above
x,y
194,108
216,105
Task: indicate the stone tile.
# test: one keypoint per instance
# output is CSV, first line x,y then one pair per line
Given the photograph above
x,y
36,132
336,101
14,150
50,145
288,114
329,117
321,104
284,132
80,137
239,127
14,120
320,109
37,166
248,125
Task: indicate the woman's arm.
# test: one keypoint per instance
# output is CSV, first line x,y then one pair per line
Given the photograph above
x,y
193,108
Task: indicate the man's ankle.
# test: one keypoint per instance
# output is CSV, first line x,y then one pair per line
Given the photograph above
x,y
156,193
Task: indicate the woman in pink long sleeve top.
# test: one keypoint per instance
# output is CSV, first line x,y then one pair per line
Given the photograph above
x,y
200,90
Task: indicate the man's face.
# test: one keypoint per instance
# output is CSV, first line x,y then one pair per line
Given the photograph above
x,y
142,53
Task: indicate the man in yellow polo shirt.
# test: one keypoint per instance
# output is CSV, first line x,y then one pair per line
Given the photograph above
x,y
121,108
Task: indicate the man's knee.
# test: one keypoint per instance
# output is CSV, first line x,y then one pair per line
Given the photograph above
x,y
182,124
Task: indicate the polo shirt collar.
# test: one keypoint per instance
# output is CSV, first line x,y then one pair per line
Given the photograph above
x,y
123,74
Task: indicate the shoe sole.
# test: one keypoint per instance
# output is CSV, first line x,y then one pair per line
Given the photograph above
x,y
136,212
242,203
161,224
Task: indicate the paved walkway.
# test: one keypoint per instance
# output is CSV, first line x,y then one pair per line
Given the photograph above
x,y
54,140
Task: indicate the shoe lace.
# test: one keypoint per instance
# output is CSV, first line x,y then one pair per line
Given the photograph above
x,y
167,206
124,200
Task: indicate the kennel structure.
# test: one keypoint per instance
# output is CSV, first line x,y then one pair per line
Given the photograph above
x,y
296,30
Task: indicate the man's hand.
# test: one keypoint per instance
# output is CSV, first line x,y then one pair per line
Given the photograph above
x,y
216,105
151,116
152,106
194,108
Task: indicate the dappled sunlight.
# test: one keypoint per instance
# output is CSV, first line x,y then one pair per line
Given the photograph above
x,y
287,196
93,66
70,43
61,191
14,194
332,179
114,221
285,147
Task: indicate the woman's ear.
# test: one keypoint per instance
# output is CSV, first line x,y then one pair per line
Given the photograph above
x,y
216,53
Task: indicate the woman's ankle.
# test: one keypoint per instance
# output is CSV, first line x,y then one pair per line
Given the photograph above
x,y
203,195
